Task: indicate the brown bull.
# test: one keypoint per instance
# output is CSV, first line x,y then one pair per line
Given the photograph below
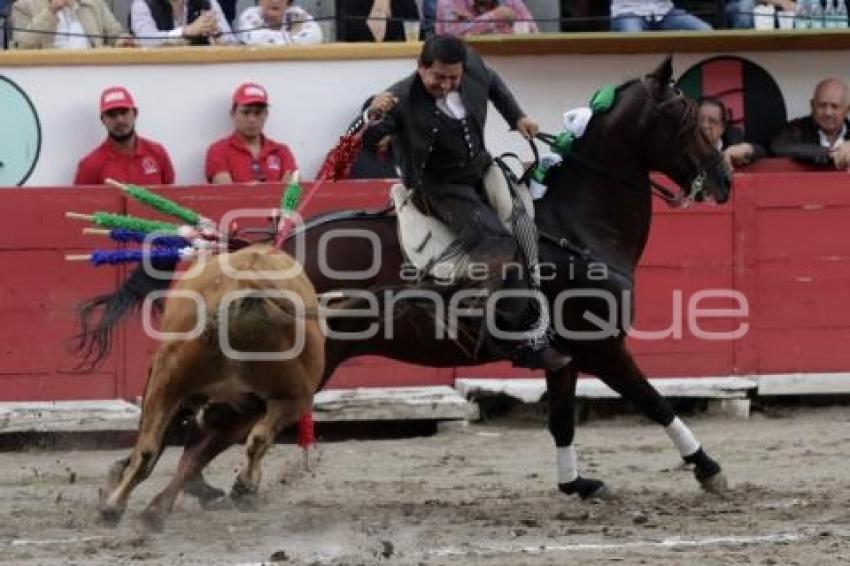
x,y
270,347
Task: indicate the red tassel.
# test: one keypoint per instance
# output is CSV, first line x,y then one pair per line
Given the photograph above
x,y
340,159
306,430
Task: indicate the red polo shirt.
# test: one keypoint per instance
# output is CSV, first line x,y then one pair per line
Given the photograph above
x,y
149,164
230,155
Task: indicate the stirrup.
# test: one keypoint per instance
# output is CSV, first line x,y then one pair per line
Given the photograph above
x,y
547,358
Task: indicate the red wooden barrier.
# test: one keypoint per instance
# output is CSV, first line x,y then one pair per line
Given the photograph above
x,y
780,242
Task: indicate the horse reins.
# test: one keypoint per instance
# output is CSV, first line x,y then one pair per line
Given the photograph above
x,y
669,197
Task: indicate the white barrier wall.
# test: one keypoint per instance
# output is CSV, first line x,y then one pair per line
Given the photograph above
x,y
185,106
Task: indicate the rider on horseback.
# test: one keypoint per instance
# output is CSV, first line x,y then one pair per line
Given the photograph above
x,y
435,118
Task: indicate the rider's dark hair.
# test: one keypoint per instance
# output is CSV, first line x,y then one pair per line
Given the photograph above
x,y
714,101
446,49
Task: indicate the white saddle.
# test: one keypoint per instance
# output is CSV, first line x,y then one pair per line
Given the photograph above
x,y
424,239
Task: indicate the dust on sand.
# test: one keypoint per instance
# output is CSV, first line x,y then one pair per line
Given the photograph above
x,y
480,494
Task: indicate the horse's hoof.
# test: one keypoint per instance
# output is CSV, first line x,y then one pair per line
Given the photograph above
x,y
110,516
154,521
587,488
716,483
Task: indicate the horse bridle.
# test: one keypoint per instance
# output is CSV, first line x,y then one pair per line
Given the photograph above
x,y
674,200
697,188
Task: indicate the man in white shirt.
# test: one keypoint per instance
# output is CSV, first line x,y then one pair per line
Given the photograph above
x,y
643,15
823,137
277,22
179,22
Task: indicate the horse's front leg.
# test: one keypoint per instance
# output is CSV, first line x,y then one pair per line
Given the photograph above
x,y
561,386
615,366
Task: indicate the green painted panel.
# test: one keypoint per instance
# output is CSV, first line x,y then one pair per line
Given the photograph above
x,y
20,134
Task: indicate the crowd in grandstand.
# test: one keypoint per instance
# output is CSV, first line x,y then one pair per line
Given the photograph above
x,y
247,155
79,24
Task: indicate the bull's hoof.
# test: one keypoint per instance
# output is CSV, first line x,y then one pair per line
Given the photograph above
x,y
219,504
110,516
244,496
716,483
153,520
587,488
206,494
212,503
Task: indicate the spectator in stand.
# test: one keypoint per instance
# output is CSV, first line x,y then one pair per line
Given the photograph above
x,y
124,156
247,155
277,22
5,6
429,18
653,15
477,17
714,123
739,13
823,137
374,20
585,15
179,22
66,24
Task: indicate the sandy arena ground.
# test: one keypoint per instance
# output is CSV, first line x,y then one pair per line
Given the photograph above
x,y
480,494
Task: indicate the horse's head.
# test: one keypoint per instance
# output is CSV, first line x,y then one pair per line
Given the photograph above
x,y
663,128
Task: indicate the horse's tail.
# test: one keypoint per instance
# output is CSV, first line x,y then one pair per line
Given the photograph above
x,y
259,323
93,343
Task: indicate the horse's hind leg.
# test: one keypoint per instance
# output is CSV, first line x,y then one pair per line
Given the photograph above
x,y
561,386
161,402
614,365
195,458
279,415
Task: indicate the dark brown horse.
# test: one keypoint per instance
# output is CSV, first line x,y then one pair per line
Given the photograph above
x,y
594,223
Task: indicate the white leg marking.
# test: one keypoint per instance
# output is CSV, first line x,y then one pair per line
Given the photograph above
x,y
566,458
682,437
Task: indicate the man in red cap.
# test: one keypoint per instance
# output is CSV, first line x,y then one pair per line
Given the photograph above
x,y
124,156
247,155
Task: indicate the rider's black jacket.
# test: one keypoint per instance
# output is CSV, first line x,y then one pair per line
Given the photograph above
x,y
414,122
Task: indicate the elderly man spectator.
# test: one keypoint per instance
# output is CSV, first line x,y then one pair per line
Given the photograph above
x,y
477,17
66,24
643,15
277,22
374,20
714,123
247,155
822,137
179,22
124,156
